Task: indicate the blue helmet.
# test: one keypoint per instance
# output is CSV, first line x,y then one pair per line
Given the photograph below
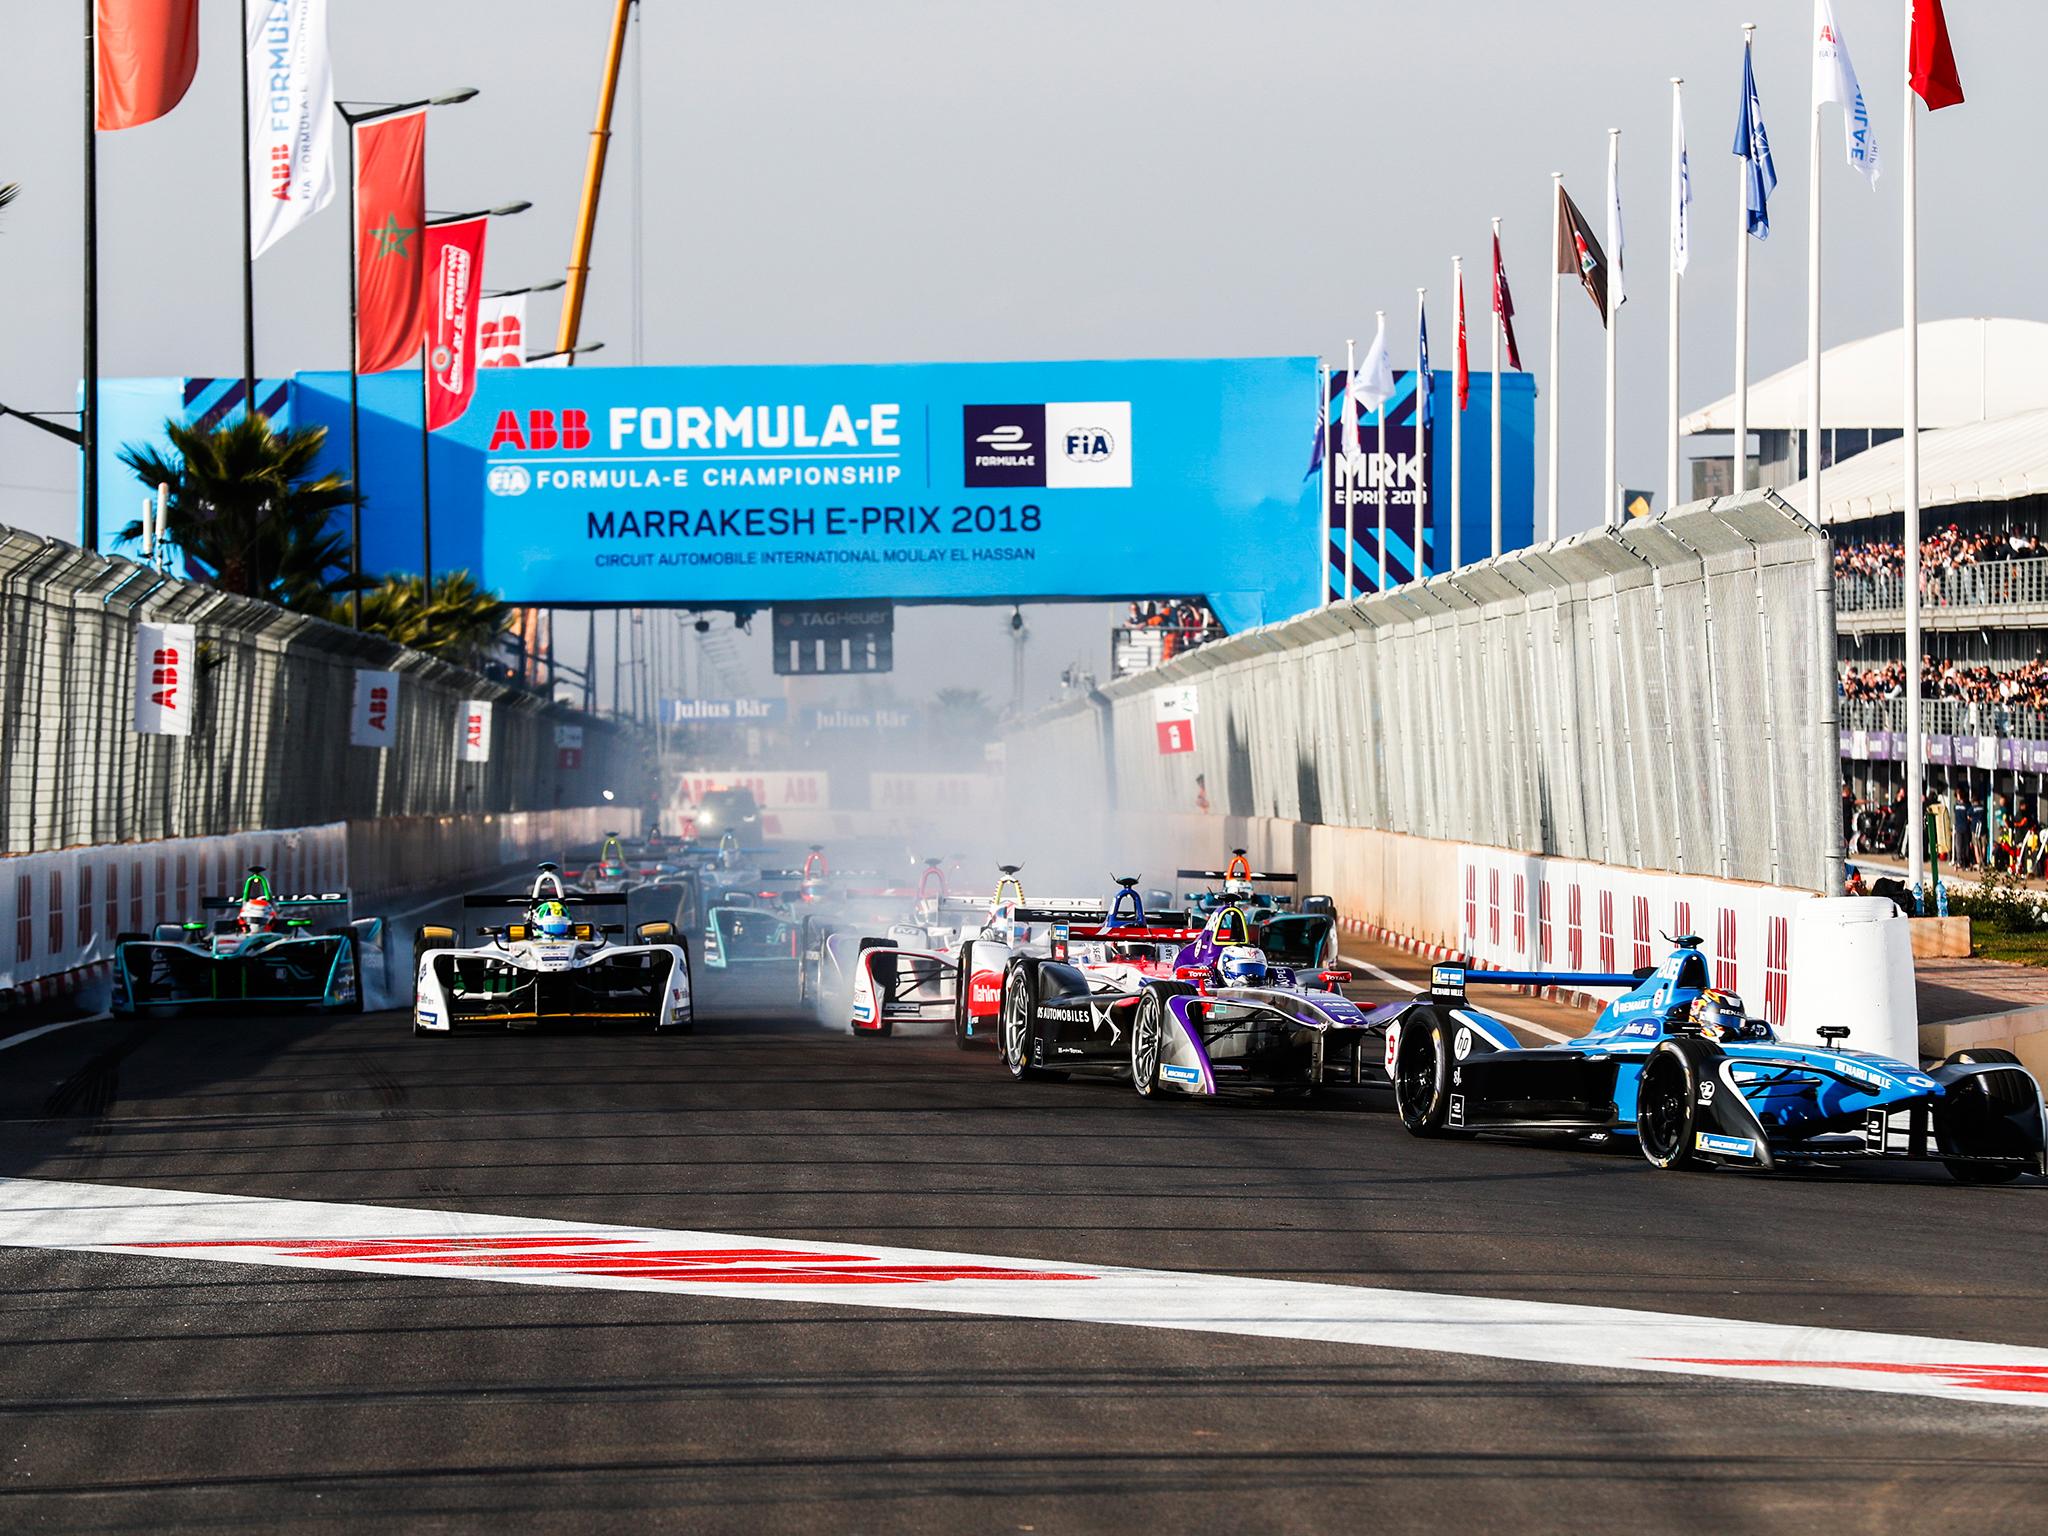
x,y
1241,965
551,920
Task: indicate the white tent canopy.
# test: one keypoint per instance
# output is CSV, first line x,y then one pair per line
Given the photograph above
x,y
1970,371
1984,461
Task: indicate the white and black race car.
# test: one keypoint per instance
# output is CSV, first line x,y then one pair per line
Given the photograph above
x,y
551,967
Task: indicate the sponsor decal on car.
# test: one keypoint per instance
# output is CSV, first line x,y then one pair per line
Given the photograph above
x,y
1393,1046
1727,1146
863,1010
1457,1109
1461,1047
1067,1015
1189,1075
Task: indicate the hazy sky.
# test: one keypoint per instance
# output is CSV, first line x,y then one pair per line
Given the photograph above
x,y
911,180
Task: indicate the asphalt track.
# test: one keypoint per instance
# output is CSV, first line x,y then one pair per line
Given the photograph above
x,y
140,1392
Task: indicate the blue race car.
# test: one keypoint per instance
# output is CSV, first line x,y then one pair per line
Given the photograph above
x,y
1679,1066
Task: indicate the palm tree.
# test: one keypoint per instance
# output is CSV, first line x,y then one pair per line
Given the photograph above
x,y
249,510
9,191
460,622
960,723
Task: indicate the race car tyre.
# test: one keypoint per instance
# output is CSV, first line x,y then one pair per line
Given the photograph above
x,y
1422,1090
1148,1035
1666,1106
962,989
1970,1121
431,936
1982,1056
1020,988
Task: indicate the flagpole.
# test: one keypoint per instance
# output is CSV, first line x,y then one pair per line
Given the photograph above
x,y
1916,823
1458,424
1813,428
1677,280
1350,473
1323,480
248,241
1424,384
1379,468
1556,330
1610,495
426,455
355,409
89,419
1740,483
1493,400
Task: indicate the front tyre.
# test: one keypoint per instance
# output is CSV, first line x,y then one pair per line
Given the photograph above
x,y
1148,1040
1020,984
1666,1107
1422,1095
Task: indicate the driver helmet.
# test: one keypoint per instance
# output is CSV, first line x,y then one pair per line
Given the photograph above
x,y
256,915
551,920
1718,1015
1241,965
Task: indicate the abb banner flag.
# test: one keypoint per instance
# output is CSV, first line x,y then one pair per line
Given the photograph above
x,y
291,118
375,721
501,332
455,272
1174,717
166,657
568,746
476,731
391,218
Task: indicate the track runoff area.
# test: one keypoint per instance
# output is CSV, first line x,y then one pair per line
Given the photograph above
x,y
285,1272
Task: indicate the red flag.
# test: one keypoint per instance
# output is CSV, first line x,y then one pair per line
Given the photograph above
x,y
1933,61
391,217
147,53
1463,376
455,273
1504,307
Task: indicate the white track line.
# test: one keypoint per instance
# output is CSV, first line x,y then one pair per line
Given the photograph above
x,y
160,1224
1408,986
49,1029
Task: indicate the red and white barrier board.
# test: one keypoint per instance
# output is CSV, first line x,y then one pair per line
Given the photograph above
x,y
1524,912
773,790
60,912
931,792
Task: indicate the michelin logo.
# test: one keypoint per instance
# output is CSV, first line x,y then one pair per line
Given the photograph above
x,y
1192,1076
1727,1146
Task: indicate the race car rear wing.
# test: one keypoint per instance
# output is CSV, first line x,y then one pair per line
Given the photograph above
x,y
568,899
1156,934
1447,983
311,899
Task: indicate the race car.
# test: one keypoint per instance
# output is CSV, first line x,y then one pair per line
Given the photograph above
x,y
1680,1066
1191,1011
270,951
746,936
550,967
723,813
1301,936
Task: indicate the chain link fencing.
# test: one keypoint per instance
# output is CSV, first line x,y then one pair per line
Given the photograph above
x,y
270,737
1660,696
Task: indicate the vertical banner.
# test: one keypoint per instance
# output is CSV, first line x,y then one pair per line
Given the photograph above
x,y
1356,482
146,53
1174,716
501,332
455,274
166,667
291,118
375,720
391,218
568,746
476,731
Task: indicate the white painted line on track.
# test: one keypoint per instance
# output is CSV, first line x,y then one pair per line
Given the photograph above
x,y
1493,1013
456,1245
49,1029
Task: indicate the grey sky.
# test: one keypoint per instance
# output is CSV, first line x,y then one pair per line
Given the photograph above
x,y
907,179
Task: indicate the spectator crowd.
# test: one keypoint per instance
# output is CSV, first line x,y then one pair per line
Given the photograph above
x,y
1946,549
2024,686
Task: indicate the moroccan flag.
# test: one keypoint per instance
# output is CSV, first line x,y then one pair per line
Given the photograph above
x,y
391,246
455,274
147,53
1579,254
1504,307
1933,61
1463,375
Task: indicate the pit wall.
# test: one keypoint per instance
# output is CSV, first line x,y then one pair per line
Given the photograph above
x,y
60,912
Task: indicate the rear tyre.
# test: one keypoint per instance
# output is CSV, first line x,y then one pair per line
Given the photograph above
x,y
431,936
1982,1056
1666,1107
1422,1088
1020,984
963,988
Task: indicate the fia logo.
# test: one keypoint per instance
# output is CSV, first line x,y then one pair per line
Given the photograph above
x,y
1090,445
509,480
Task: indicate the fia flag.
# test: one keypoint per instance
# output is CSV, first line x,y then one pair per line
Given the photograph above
x,y
1681,191
1424,379
1753,148
1373,385
455,274
475,742
1834,82
166,667
1347,443
1316,450
291,118
501,332
374,721
1616,241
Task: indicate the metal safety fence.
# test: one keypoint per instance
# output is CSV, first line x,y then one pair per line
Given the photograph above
x,y
270,728
1658,696
1986,584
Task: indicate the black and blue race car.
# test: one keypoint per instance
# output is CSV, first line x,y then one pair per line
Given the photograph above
x,y
1680,1067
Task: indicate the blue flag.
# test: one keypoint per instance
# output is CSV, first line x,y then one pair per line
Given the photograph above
x,y
1753,148
1423,380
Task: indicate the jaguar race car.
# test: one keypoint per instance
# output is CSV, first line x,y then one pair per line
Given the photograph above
x,y
268,949
1175,1010
550,967
1301,935
1679,1066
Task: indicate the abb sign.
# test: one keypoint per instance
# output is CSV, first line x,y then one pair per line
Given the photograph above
x,y
1174,718
476,731
540,431
375,720
164,659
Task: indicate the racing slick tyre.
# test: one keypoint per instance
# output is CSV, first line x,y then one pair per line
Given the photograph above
x,y
1148,1037
963,990
1667,1097
1970,1120
1422,1085
431,936
1982,1056
1020,987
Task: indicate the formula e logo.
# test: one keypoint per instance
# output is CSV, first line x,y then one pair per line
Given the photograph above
x,y
1089,445
1001,444
1005,439
509,480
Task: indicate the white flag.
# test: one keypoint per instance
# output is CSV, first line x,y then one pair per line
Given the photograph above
x,y
375,721
1373,384
1834,82
1617,292
476,731
501,332
166,668
1681,191
291,118
1348,440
